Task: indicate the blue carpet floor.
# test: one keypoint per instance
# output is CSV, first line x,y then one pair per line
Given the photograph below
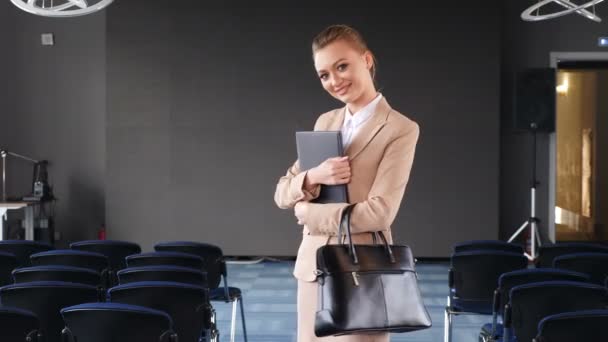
x,y
269,292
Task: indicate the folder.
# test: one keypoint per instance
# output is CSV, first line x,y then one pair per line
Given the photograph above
x,y
314,147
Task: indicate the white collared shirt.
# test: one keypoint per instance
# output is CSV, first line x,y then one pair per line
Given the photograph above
x,y
353,122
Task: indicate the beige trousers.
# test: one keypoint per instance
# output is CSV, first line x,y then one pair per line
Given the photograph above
x,y
307,306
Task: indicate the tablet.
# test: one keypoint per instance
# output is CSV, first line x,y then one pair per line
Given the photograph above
x,y
313,148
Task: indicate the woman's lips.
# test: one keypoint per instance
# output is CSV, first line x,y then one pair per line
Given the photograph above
x,y
343,90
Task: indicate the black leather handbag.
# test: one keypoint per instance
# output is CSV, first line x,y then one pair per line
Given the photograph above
x,y
369,288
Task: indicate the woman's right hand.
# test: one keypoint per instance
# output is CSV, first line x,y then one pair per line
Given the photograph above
x,y
330,172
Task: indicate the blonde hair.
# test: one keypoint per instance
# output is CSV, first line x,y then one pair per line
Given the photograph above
x,y
336,32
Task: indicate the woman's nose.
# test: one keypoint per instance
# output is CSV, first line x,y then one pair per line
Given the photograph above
x,y
335,81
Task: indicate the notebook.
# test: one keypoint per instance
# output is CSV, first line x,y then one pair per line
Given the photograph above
x,y
314,147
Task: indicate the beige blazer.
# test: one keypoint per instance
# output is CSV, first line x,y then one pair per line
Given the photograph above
x,y
381,157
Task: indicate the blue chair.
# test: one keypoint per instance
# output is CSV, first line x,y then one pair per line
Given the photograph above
x,y
22,249
188,305
116,252
507,281
530,303
18,325
494,245
215,266
8,262
163,273
473,277
69,257
165,258
57,273
45,300
584,325
546,253
105,322
593,264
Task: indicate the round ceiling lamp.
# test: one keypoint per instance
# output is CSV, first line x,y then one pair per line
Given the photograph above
x,y
569,7
61,8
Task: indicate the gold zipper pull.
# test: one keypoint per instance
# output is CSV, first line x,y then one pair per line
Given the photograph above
x,y
355,278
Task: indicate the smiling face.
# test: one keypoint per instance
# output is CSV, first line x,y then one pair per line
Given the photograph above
x,y
345,73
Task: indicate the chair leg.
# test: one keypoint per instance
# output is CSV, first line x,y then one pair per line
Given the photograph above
x,y
240,299
233,322
215,334
447,330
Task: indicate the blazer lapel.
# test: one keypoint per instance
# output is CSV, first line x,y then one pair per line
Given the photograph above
x,y
369,129
336,123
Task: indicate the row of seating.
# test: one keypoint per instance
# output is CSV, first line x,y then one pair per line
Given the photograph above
x,y
495,278
61,311
113,266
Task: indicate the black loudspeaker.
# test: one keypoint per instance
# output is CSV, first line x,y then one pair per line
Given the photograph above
x,y
535,100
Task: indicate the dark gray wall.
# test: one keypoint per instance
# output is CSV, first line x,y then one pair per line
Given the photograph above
x,y
203,101
59,114
528,44
7,74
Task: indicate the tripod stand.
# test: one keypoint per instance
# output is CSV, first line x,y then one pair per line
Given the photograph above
x,y
532,221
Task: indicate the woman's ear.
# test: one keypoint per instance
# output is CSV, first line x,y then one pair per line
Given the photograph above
x,y
369,60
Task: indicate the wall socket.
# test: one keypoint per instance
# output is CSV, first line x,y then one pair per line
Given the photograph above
x,y
47,39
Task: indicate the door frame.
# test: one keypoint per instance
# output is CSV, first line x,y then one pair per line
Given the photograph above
x,y
554,58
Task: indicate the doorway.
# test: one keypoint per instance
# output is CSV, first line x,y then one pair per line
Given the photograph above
x,y
581,151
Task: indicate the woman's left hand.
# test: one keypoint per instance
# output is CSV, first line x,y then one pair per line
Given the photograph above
x,y
300,210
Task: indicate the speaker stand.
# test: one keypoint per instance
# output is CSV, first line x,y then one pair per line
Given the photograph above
x,y
532,221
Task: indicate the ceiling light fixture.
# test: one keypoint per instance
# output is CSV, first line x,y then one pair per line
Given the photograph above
x,y
570,7
61,8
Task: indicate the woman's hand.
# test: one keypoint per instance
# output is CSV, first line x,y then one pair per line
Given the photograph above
x,y
300,210
330,172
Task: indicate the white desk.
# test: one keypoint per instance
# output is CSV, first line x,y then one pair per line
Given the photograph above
x,y
29,217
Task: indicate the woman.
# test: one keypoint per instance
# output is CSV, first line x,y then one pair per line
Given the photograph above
x,y
379,147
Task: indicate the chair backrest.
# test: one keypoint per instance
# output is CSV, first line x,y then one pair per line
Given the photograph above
x,y
22,249
165,258
188,305
69,257
163,273
593,264
509,280
116,252
45,299
8,262
530,303
583,325
57,273
474,274
497,245
17,325
103,322
546,253
213,257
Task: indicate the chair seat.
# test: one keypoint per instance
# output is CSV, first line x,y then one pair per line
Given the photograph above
x,y
486,330
511,339
220,294
472,306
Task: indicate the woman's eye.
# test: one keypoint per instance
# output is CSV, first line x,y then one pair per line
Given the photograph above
x,y
323,77
342,67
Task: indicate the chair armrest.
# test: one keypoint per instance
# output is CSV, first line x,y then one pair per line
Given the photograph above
x,y
451,278
66,335
507,323
495,308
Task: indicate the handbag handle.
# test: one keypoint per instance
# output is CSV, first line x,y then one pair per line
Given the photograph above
x,y
345,221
